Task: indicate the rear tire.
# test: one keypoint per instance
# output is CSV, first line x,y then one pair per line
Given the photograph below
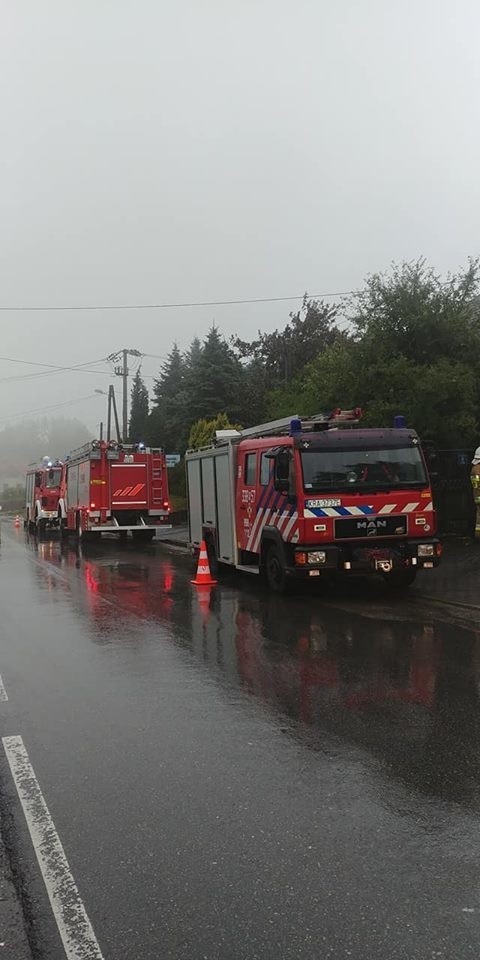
x,y
275,572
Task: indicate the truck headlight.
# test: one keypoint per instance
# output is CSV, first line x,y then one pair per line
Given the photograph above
x,y
426,550
317,556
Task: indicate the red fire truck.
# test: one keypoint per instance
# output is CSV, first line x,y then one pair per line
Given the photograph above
x,y
114,488
42,493
304,498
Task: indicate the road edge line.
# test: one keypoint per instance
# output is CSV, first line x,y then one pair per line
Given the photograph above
x,y
76,932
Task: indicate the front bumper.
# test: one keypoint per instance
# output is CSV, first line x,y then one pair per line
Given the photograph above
x,y
354,558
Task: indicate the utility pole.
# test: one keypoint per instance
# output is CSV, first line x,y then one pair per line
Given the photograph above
x,y
121,370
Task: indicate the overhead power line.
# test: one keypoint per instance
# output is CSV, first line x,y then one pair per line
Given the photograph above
x,y
53,366
53,406
173,306
52,369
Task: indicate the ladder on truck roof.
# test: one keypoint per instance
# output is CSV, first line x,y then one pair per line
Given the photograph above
x,y
295,424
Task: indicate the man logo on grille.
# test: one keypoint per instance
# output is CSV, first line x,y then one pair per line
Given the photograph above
x,y
371,527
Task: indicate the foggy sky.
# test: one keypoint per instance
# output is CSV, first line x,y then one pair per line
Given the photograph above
x,y
205,150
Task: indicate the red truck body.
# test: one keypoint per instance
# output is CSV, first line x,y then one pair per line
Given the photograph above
x,y
42,493
115,488
298,499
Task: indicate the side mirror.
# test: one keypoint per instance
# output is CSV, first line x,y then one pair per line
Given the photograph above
x,y
282,486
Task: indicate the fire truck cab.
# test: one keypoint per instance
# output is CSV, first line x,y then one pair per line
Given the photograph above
x,y
42,493
297,499
114,488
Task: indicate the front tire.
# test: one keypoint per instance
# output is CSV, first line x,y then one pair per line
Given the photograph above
x,y
275,572
40,526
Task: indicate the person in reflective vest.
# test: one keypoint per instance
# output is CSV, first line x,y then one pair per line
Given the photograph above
x,y
475,478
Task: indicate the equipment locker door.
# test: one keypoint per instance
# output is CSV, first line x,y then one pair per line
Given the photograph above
x,y
225,508
194,501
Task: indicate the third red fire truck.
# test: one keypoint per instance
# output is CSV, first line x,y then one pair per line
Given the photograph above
x,y
114,488
42,492
304,498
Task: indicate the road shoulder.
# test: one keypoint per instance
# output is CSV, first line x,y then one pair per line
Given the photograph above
x,y
13,935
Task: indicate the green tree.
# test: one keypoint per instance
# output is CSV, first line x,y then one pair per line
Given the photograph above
x,y
203,431
216,381
415,351
172,374
284,353
440,400
411,311
138,425
168,420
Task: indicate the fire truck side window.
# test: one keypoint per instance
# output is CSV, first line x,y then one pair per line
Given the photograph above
x,y
265,469
250,469
38,479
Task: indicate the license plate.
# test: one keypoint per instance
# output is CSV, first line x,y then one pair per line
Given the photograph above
x,y
322,503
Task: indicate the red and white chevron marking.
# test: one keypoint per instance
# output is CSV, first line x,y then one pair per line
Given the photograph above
x,y
282,521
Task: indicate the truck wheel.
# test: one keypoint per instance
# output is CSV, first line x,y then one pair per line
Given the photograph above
x,y
78,525
400,579
275,569
41,527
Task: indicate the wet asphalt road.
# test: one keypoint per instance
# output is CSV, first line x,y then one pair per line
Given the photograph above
x,y
241,776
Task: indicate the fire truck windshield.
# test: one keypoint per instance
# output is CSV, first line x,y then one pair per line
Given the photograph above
x,y
52,479
363,468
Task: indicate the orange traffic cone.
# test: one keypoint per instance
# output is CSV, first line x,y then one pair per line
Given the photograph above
x,y
204,577
17,521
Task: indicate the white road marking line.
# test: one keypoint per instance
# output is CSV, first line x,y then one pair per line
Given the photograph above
x,y
3,692
75,929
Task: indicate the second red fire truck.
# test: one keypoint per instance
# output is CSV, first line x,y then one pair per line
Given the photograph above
x,y
296,499
114,488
